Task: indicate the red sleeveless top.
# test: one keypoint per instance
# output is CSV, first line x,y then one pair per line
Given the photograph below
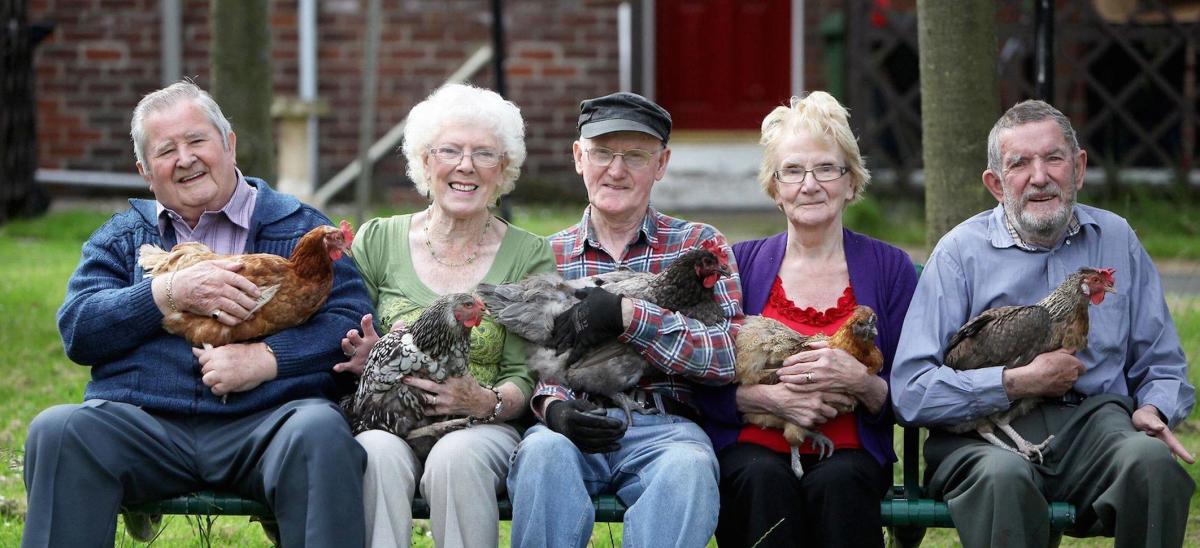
x,y
842,430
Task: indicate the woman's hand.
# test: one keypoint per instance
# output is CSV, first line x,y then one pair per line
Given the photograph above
x,y
834,370
803,405
357,347
455,396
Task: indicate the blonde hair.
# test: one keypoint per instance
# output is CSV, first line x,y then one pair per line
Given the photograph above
x,y
819,114
464,104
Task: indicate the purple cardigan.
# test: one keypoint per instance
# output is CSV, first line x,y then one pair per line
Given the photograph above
x,y
882,277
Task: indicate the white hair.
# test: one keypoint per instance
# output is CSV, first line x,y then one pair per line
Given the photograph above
x,y
167,97
467,105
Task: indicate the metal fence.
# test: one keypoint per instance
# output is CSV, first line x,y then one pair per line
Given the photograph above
x,y
1125,73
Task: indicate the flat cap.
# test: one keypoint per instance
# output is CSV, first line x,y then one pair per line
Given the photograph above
x,y
623,111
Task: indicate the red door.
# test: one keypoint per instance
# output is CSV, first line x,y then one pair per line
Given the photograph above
x,y
722,64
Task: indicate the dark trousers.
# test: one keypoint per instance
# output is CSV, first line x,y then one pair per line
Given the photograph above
x,y
82,460
836,503
1123,483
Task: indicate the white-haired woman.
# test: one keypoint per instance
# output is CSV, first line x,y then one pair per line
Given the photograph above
x,y
464,148
811,277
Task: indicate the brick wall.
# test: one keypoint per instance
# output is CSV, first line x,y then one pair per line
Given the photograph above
x,y
104,55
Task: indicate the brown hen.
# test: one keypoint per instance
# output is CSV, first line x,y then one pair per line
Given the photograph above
x,y
1012,336
292,289
762,345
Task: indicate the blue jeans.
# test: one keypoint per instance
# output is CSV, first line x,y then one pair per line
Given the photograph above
x,y
665,472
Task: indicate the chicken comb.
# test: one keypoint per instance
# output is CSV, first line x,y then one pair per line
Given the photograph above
x,y
347,233
716,249
1108,275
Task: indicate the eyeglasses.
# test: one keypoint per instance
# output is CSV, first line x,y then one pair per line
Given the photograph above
x,y
821,174
634,158
480,158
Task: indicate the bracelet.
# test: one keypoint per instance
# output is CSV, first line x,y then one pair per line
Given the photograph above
x,y
170,297
495,410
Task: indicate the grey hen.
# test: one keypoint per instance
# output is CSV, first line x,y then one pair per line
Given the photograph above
x,y
434,347
1013,336
528,308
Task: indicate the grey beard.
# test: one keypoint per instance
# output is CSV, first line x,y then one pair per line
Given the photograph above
x,y
1044,231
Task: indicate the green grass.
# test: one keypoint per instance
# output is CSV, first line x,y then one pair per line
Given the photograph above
x,y
37,257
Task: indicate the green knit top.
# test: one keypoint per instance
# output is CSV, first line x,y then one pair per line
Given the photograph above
x,y
382,253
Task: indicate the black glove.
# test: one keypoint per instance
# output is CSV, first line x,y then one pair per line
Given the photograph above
x,y
584,423
594,320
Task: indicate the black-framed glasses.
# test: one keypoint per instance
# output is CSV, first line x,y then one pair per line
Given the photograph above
x,y
483,157
821,174
635,158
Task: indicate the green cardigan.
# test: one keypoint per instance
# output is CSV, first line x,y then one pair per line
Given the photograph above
x,y
382,253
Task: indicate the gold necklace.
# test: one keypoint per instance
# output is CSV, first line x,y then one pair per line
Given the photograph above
x,y
470,259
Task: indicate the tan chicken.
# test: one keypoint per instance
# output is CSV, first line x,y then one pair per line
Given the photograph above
x,y
292,289
762,345
1013,336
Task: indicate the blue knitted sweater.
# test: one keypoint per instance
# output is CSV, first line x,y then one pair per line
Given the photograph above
x,y
109,320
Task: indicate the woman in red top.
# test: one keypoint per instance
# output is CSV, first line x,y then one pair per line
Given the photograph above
x,y
810,278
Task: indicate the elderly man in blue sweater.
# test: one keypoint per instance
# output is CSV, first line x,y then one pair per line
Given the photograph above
x,y
257,418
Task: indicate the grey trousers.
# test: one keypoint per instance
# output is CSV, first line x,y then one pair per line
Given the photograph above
x,y
461,479
82,460
1123,483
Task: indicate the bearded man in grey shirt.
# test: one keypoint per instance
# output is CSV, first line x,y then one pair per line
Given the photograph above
x,y
1110,406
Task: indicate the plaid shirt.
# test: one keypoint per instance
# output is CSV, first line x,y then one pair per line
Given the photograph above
x,y
681,349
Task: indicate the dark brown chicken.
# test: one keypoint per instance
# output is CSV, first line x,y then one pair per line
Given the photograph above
x,y
435,347
291,289
1013,336
528,308
762,345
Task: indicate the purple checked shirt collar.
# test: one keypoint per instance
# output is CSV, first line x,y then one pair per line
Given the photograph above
x,y
224,231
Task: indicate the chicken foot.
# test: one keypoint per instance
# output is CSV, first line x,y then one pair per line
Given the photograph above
x,y
821,442
627,404
1023,447
438,429
1026,448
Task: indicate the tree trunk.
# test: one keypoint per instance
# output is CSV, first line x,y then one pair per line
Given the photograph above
x,y
241,80
960,101
20,194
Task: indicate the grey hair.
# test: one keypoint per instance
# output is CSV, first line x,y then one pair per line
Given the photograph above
x,y
464,104
167,97
820,114
1027,112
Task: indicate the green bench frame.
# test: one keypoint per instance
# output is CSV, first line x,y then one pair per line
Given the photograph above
x,y
905,512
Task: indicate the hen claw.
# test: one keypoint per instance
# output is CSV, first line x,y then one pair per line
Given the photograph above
x,y
822,444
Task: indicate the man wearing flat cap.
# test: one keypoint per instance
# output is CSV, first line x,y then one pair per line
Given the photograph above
x,y
661,466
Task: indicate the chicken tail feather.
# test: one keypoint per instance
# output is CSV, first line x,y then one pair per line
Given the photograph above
x,y
265,294
150,257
